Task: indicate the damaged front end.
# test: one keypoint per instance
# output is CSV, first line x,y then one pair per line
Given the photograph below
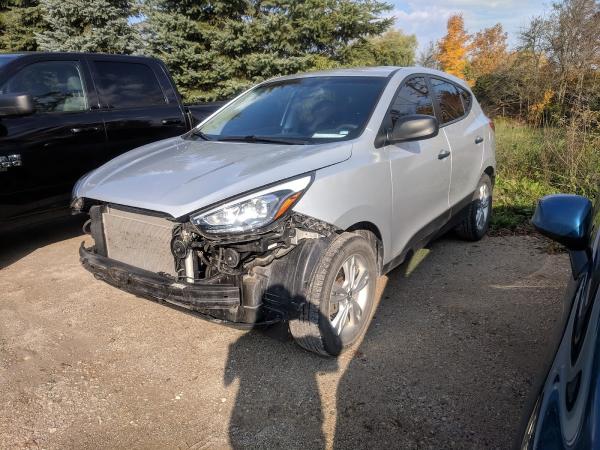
x,y
250,278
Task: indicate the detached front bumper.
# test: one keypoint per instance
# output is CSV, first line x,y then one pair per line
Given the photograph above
x,y
197,297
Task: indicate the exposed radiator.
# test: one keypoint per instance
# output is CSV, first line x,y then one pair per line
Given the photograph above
x,y
140,240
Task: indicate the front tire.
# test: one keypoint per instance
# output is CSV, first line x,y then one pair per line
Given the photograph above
x,y
340,297
477,219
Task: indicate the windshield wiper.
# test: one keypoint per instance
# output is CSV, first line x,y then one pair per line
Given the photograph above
x,y
266,139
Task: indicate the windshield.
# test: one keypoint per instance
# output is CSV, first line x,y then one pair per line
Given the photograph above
x,y
5,59
298,111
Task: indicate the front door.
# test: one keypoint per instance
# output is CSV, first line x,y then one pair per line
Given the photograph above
x,y
420,172
43,154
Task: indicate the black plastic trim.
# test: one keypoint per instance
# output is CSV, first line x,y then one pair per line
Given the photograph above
x,y
159,287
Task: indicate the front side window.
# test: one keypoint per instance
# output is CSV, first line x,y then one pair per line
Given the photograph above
x,y
127,85
449,99
301,110
413,98
55,86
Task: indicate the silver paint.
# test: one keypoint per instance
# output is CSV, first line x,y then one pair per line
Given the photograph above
x,y
398,188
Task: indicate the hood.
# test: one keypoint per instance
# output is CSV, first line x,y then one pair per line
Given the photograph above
x,y
179,176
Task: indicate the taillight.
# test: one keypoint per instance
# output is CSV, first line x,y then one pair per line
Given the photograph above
x,y
492,126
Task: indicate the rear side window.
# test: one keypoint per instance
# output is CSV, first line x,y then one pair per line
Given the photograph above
x,y
467,99
128,85
55,86
413,98
449,99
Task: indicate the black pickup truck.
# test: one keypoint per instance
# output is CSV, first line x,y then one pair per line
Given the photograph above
x,y
64,114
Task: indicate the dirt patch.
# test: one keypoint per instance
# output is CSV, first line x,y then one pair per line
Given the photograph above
x,y
449,360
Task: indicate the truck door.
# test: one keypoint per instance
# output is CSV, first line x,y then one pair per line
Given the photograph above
x,y
43,154
137,108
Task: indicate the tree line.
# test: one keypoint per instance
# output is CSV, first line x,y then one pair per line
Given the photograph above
x,y
552,75
214,49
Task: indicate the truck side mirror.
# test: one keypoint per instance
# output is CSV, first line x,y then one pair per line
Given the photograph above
x,y
15,105
414,127
565,219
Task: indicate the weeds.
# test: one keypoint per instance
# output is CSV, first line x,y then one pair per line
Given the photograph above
x,y
533,162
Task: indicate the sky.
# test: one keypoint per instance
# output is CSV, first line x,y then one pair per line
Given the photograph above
x,y
427,18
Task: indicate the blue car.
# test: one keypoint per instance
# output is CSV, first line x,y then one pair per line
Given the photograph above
x,y
566,413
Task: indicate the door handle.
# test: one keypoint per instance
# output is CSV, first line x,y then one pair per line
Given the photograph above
x,y
174,121
83,130
478,140
443,154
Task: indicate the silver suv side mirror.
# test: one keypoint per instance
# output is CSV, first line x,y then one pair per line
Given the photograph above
x,y
414,127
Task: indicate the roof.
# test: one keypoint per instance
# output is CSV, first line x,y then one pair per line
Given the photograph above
x,y
380,71
13,56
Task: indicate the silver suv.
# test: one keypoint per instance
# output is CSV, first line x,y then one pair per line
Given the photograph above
x,y
290,201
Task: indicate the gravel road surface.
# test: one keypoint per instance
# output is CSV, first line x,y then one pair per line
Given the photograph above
x,y
449,361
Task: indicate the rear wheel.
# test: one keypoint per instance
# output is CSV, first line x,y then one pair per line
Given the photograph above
x,y
340,297
477,220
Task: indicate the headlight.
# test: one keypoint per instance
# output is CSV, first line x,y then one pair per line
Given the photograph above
x,y
252,211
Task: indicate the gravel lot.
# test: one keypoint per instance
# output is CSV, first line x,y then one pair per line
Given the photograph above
x,y
449,360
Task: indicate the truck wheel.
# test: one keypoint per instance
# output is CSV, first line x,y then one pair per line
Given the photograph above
x,y
477,220
341,295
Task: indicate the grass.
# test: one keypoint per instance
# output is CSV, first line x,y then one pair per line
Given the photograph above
x,y
534,162
514,203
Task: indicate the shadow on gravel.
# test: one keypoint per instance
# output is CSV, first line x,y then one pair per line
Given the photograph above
x,y
447,361
276,406
15,245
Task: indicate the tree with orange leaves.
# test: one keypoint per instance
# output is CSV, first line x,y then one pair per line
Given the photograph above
x,y
453,48
488,50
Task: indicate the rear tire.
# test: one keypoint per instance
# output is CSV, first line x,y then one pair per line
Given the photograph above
x,y
340,297
477,219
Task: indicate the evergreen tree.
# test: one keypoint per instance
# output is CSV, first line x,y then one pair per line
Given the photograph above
x,y
20,20
88,26
215,49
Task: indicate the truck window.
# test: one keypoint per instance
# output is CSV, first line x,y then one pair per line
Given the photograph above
x,y
128,85
55,86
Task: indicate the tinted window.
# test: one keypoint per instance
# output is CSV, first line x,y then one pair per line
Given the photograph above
x,y
413,98
466,98
128,85
449,99
305,109
56,86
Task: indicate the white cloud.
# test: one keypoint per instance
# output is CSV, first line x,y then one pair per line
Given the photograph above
x,y
427,18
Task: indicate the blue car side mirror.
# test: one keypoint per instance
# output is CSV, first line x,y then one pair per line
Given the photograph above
x,y
565,219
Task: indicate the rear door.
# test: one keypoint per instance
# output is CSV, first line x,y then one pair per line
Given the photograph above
x,y
465,134
139,104
420,171
43,154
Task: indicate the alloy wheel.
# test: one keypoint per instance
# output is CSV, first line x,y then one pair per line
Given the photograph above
x,y
483,206
350,297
